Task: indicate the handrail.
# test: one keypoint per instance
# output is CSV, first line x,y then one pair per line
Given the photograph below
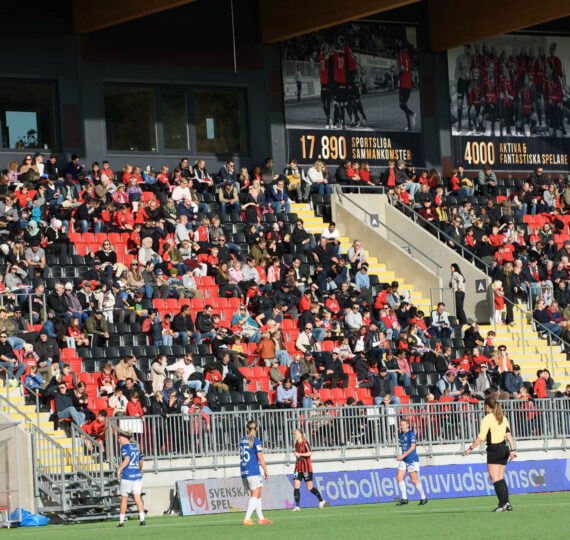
x,y
49,461
392,231
27,388
87,456
440,232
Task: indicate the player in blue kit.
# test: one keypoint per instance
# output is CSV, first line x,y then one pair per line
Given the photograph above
x,y
250,458
130,476
409,462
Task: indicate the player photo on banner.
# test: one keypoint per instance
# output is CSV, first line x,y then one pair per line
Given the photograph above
x,y
352,92
510,102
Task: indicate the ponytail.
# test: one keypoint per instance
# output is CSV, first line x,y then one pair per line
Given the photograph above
x,y
496,409
303,436
251,432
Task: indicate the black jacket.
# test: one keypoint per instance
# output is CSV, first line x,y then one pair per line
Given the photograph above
x,y
182,324
56,302
204,322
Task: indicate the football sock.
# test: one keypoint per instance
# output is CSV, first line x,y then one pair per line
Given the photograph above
x,y
402,487
121,518
420,489
505,490
141,516
297,495
258,510
499,490
251,506
317,493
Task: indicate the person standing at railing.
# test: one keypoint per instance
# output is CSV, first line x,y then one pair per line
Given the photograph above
x,y
251,458
130,475
457,283
494,429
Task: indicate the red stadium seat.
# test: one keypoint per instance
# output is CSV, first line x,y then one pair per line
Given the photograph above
x,y
246,372
258,372
264,383
399,391
325,393
337,393
362,393
271,394
350,392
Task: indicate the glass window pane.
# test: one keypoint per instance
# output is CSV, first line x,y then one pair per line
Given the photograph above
x,y
130,118
27,114
174,119
219,121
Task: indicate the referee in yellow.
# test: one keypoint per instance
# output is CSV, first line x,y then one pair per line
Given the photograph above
x,y
494,428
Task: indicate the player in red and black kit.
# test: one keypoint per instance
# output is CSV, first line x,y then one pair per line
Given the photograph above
x,y
508,93
538,78
476,102
339,87
354,105
304,470
491,93
325,69
405,70
553,100
526,102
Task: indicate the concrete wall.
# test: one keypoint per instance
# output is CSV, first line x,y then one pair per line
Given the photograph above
x,y
427,267
352,222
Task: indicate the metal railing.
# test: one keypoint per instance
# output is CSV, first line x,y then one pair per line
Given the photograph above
x,y
25,296
440,428
87,457
18,391
404,243
49,468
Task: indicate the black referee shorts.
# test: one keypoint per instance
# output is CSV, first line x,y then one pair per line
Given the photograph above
x,y
498,454
306,476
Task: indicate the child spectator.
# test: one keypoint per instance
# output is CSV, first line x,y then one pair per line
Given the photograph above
x,y
214,377
106,380
499,301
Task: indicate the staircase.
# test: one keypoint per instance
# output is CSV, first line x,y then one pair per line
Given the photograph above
x,y
71,478
316,224
534,355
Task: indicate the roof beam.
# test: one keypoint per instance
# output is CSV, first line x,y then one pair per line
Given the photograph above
x,y
284,19
457,22
92,15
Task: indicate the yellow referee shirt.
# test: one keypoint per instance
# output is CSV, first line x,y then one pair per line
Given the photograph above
x,y
492,432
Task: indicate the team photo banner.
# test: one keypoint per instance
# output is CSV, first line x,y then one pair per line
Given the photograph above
x,y
341,488
510,103
352,92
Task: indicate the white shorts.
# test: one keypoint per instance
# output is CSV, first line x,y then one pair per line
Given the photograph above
x,y
252,482
129,487
410,467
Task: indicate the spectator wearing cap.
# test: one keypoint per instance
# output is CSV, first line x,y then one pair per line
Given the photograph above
x,y
8,359
513,381
73,303
86,298
96,329
229,197
95,273
461,383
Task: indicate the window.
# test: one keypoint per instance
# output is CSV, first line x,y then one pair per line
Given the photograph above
x,y
219,121
174,119
131,118
27,114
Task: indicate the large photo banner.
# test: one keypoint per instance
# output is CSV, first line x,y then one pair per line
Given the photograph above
x,y
339,488
510,103
352,92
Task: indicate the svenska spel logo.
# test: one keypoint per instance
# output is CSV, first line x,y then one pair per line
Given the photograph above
x,y
197,497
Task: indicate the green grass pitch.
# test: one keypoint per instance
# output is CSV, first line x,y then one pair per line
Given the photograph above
x,y
534,516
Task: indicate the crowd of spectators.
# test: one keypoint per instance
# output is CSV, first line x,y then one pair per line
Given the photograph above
x,y
218,278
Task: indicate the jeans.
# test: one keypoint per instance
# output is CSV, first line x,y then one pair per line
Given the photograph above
x,y
278,207
553,327
74,414
197,385
254,338
210,335
195,337
16,342
394,376
84,224
147,290
319,333
321,189
307,403
441,332
235,207
283,357
14,369
395,400
167,340
234,248
81,316
412,188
